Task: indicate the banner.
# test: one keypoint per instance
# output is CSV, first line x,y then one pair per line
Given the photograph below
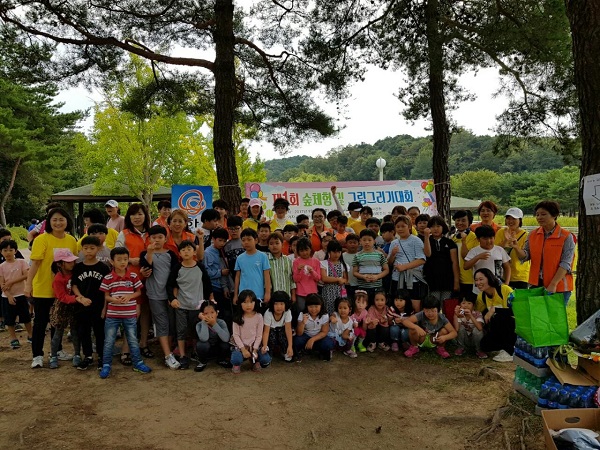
x,y
193,199
382,196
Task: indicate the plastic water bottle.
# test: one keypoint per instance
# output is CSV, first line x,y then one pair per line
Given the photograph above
x,y
574,400
543,397
553,398
563,399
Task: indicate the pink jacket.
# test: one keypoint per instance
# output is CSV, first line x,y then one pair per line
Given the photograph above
x,y
306,283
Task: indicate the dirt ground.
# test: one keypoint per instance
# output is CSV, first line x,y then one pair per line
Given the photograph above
x,y
377,401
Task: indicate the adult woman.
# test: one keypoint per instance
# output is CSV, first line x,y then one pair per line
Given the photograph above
x,y
551,250
493,302
40,277
514,236
281,206
318,229
255,214
178,231
487,210
441,268
135,238
397,211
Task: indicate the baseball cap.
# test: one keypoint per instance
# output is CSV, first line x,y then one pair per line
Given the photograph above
x,y
281,202
514,212
354,206
112,204
254,202
64,254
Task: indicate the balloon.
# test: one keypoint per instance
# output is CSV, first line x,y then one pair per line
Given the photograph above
x,y
253,194
424,204
255,187
424,184
260,194
429,188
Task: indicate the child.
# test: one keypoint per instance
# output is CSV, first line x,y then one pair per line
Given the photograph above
x,y
121,287
87,278
441,268
213,338
303,228
334,275
341,327
161,262
398,312
369,266
374,224
352,243
233,248
340,232
62,312
247,333
306,273
361,301
429,328
216,267
281,268
243,214
252,269
99,231
13,273
420,225
469,324
302,219
188,286
326,238
289,231
164,211
388,234
378,326
407,257
488,256
264,231
293,242
210,221
465,240
115,220
221,206
312,329
255,215
366,212
277,331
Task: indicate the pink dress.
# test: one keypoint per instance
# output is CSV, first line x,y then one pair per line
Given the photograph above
x,y
359,331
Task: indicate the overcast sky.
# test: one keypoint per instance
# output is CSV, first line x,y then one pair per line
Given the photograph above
x,y
373,112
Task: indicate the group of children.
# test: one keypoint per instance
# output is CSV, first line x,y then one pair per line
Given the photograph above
x,y
260,292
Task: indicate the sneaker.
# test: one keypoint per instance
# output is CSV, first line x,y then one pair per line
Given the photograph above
x,y
383,346
503,356
184,363
19,327
64,356
442,352
372,346
105,372
412,351
85,363
327,356
76,360
53,363
142,368
350,353
200,367
288,358
100,364
225,364
360,347
481,355
38,362
256,367
171,362
459,351
395,347
236,369
15,344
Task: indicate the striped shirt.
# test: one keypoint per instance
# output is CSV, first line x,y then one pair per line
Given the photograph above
x,y
369,263
118,286
281,274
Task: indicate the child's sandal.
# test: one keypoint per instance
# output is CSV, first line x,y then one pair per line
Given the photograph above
x,y
146,353
126,359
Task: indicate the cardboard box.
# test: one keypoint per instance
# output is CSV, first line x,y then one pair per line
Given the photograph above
x,y
568,375
557,419
590,367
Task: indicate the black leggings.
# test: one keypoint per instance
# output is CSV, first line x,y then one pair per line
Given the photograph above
x,y
378,335
41,308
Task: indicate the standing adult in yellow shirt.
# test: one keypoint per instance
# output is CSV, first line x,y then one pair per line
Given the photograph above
x,y
509,237
466,240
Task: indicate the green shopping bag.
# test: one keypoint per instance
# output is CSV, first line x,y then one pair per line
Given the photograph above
x,y
540,318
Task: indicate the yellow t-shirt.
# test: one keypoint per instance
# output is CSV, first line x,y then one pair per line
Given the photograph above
x,y
352,221
109,242
518,271
43,250
276,226
357,226
496,300
250,223
466,276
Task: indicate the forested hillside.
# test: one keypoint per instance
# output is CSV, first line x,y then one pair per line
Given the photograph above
x,y
518,179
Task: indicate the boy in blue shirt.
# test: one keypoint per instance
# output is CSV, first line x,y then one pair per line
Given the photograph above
x,y
253,270
216,266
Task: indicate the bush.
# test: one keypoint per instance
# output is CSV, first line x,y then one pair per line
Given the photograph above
x,y
19,234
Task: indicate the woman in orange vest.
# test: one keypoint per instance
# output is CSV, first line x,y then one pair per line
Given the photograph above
x,y
178,231
487,210
135,238
551,251
318,229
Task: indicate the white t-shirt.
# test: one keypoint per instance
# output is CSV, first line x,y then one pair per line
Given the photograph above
x,y
269,320
467,323
498,256
338,328
313,326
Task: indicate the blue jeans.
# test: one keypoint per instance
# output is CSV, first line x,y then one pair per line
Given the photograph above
x,y
110,335
323,346
567,296
398,333
237,358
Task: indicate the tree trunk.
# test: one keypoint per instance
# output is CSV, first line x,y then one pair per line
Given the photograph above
x,y
6,195
584,19
437,105
225,104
